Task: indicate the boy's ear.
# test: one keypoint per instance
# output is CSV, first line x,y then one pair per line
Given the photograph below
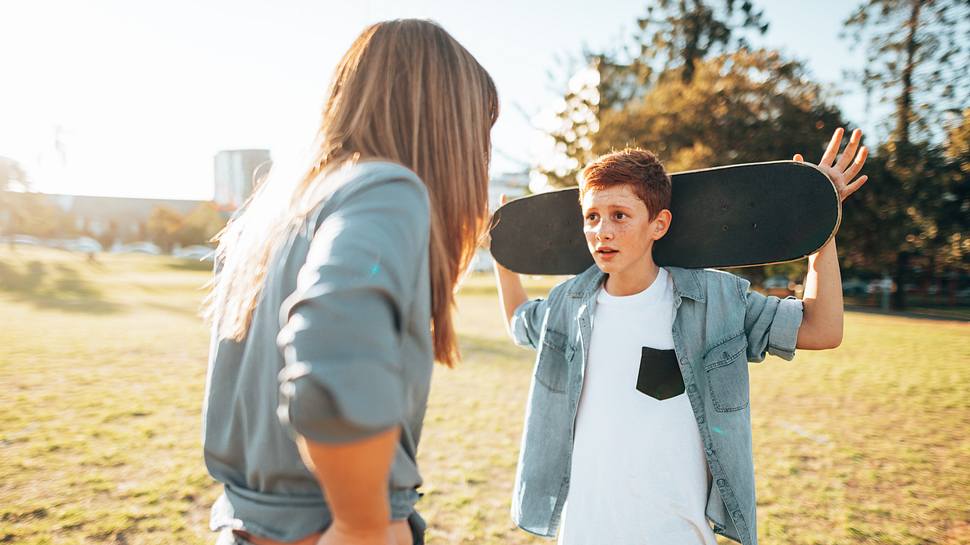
x,y
660,224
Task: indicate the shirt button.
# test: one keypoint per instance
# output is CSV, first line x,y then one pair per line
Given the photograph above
x,y
721,482
709,451
692,388
724,354
737,514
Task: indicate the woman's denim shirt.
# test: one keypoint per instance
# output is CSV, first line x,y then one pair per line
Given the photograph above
x,y
339,349
719,326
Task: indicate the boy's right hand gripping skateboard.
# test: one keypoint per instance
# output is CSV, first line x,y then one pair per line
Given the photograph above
x,y
734,216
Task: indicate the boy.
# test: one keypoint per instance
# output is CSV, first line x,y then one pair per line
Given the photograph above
x,y
638,426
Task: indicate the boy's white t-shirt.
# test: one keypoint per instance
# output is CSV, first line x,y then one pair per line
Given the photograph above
x,y
639,475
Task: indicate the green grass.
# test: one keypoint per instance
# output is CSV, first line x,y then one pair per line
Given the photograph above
x,y
103,364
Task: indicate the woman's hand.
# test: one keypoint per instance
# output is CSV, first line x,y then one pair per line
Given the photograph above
x,y
849,164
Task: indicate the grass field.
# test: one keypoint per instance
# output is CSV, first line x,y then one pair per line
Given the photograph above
x,y
102,367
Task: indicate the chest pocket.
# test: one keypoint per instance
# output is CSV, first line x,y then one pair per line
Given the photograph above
x,y
727,374
552,369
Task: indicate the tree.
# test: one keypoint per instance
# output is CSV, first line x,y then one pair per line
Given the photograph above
x,y
745,106
33,214
162,227
681,33
954,213
917,57
12,176
200,225
672,37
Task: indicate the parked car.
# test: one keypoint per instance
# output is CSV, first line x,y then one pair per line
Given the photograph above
x,y
197,252
25,240
84,244
777,286
880,285
774,282
140,248
854,286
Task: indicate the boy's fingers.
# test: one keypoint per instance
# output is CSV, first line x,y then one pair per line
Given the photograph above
x,y
830,152
502,199
798,157
850,150
857,164
854,187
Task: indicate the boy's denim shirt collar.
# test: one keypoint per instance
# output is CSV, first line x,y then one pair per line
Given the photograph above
x,y
686,284
719,326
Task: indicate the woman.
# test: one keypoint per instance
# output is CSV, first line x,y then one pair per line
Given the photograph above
x,y
326,286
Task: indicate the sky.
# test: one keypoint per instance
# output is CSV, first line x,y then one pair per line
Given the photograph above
x,y
134,98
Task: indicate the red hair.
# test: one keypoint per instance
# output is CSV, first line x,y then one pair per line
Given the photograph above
x,y
637,168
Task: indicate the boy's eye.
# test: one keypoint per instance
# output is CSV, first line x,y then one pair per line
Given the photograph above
x,y
592,216
619,215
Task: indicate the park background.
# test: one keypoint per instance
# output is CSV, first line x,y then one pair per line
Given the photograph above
x,y
102,352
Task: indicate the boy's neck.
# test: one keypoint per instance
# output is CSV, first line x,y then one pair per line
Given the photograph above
x,y
634,279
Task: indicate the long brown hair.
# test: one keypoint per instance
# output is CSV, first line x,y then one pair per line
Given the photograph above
x,y
407,92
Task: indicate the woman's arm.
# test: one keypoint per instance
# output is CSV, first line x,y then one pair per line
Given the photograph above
x,y
342,391
354,477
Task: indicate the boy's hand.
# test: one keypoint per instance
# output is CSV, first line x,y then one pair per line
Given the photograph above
x,y
849,164
502,199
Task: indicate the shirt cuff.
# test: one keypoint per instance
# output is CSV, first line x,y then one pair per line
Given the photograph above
x,y
340,403
783,334
520,324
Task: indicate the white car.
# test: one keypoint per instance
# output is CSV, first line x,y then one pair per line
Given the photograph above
x,y
25,240
140,248
84,244
776,282
197,252
854,286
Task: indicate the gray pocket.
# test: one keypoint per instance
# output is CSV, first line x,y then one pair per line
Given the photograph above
x,y
727,374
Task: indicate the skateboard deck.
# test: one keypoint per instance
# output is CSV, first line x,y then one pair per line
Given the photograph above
x,y
733,216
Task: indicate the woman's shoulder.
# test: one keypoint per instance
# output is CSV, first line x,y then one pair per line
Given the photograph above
x,y
384,185
378,176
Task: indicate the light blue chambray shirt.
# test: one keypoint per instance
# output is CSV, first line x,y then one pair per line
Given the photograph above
x,y
719,326
339,349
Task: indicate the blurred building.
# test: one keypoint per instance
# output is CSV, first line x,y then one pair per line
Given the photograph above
x,y
511,184
121,218
236,172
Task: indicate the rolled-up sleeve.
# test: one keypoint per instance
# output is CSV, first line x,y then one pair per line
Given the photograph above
x,y
527,322
341,327
771,325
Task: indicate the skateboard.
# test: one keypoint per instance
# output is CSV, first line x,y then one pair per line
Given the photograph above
x,y
732,216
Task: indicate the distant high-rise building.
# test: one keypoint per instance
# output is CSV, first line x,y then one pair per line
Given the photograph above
x,y
235,173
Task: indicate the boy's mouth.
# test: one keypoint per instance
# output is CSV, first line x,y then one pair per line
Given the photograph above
x,y
606,251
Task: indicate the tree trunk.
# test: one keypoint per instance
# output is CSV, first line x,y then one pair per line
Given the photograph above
x,y
899,298
904,107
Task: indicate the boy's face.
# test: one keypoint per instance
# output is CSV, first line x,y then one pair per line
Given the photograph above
x,y
619,231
